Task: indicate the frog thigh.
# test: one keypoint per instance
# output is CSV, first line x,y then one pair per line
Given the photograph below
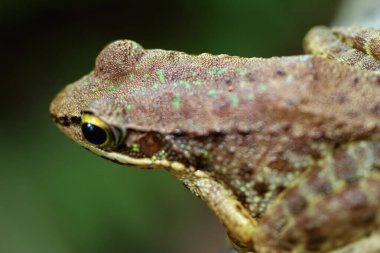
x,y
229,248
354,46
370,244
230,212
332,205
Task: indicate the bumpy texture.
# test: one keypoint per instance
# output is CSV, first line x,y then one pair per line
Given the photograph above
x,y
355,46
279,135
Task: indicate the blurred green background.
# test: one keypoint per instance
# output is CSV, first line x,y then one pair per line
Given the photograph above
x,y
57,197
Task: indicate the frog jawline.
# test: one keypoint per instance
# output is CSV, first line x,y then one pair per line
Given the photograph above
x,y
145,162
140,162
120,158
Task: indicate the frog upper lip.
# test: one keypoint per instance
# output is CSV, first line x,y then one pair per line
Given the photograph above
x,y
66,120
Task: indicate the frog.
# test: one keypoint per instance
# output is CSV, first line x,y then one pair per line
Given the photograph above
x,y
285,151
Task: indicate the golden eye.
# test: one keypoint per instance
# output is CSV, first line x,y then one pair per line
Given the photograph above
x,y
99,133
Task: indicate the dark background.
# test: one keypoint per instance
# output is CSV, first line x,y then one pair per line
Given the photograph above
x,y
57,197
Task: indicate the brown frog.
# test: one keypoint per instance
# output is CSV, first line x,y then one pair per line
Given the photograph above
x,y
285,151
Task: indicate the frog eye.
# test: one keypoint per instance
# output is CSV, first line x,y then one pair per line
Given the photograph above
x,y
99,133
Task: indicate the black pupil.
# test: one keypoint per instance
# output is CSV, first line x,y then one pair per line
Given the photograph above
x,y
94,134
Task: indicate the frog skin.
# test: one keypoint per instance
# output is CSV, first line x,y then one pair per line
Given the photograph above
x,y
285,151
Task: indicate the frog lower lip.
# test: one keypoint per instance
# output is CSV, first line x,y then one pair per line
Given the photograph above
x,y
145,163
120,158
124,159
118,162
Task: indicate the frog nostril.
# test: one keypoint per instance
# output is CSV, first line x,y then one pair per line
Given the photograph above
x,y
64,120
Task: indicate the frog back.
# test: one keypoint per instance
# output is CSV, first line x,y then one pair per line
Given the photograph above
x,y
172,92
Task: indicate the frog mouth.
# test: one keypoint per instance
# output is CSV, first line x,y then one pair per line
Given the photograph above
x,y
71,127
144,163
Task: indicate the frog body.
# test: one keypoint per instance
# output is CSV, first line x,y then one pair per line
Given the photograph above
x,y
268,144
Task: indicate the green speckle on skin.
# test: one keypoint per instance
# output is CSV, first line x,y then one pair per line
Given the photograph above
x,y
180,124
154,158
216,70
243,84
162,153
213,70
112,88
156,86
146,75
119,61
198,82
161,75
221,71
194,74
95,89
263,88
213,93
131,77
185,83
234,99
206,153
289,79
70,88
83,83
242,72
251,96
176,101
129,107
135,147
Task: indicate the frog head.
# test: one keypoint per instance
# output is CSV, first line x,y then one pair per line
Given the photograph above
x,y
132,105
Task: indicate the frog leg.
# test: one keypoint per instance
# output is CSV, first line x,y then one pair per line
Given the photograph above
x,y
355,46
230,212
369,244
229,246
317,213
229,249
